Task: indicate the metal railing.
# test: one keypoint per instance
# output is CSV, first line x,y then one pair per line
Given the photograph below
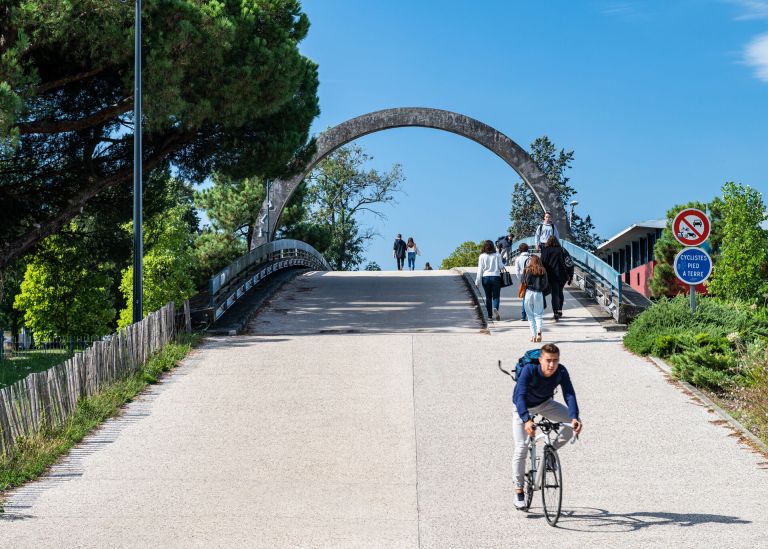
x,y
234,281
588,262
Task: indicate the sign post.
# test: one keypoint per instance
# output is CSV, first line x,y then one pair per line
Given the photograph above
x,y
692,265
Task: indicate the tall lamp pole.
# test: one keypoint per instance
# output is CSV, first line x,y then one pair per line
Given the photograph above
x,y
572,203
138,247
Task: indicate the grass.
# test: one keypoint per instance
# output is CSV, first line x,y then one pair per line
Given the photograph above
x,y
20,365
31,456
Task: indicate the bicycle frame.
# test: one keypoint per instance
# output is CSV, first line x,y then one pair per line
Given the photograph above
x,y
538,472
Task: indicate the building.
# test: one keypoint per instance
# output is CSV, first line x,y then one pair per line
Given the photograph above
x,y
631,253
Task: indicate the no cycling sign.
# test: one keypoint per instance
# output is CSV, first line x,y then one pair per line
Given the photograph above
x,y
691,227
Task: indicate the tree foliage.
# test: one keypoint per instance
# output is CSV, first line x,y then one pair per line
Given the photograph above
x,y
741,271
66,292
167,267
526,213
233,205
225,89
339,189
465,255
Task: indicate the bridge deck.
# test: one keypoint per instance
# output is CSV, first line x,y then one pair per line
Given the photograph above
x,y
302,434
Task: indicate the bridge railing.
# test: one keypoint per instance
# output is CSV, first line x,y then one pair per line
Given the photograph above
x,y
593,272
233,282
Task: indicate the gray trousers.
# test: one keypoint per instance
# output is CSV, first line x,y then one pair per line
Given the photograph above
x,y
551,410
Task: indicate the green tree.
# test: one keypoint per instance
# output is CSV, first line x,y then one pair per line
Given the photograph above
x,y
225,89
167,266
526,213
339,189
741,271
465,255
583,233
664,281
64,292
232,205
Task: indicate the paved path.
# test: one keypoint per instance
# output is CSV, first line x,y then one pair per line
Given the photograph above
x,y
306,435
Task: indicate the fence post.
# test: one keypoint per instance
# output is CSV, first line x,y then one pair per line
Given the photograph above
x,y
187,317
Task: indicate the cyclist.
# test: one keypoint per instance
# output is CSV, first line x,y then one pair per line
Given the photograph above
x,y
534,395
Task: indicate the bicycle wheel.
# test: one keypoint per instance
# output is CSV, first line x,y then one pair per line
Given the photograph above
x,y
551,485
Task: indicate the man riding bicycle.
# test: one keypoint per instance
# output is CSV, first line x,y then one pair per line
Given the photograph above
x,y
534,395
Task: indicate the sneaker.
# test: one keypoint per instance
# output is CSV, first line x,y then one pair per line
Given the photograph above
x,y
496,314
519,500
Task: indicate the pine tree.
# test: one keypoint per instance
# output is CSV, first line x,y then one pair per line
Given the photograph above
x,y
526,214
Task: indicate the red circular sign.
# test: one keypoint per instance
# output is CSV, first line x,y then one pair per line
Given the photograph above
x,y
691,227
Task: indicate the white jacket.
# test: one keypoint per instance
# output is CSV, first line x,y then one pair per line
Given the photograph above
x,y
520,263
488,265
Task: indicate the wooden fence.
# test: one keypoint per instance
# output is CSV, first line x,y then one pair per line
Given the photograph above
x,y
50,397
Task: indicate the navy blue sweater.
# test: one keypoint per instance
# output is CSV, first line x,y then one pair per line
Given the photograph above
x,y
533,388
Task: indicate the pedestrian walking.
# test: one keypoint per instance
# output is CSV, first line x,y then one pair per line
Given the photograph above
x,y
489,267
520,264
545,229
504,247
398,251
412,252
559,265
536,286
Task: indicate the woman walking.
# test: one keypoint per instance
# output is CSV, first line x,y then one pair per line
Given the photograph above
x,y
553,256
489,267
536,282
412,252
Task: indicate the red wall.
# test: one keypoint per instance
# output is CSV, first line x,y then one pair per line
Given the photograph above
x,y
639,277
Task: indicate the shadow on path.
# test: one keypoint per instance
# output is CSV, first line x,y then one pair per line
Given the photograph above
x,y
588,519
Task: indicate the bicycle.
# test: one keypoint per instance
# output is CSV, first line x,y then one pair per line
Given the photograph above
x,y
545,473
549,477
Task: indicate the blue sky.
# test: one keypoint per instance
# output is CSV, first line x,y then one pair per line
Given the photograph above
x,y
662,102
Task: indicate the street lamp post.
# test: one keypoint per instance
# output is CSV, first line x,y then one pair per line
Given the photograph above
x,y
138,247
572,203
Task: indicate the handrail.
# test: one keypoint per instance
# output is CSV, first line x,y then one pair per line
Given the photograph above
x,y
587,261
232,282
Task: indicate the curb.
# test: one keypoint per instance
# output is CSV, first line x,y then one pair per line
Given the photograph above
x,y
732,422
476,298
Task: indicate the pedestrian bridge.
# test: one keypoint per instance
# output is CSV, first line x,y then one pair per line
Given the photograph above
x,y
367,410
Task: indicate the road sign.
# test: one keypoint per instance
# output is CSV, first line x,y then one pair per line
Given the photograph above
x,y
693,266
691,227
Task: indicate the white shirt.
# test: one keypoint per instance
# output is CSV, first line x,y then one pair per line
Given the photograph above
x,y
488,265
520,263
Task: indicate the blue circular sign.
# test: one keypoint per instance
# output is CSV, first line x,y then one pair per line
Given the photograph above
x,y
693,265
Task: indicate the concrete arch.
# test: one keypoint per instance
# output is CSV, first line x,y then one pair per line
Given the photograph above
x,y
490,138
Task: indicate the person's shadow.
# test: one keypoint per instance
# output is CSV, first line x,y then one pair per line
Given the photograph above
x,y
588,519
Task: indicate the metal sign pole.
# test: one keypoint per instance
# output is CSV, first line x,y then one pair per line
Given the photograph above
x,y
693,298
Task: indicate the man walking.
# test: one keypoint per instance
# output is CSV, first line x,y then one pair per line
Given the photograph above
x,y
545,229
398,251
504,247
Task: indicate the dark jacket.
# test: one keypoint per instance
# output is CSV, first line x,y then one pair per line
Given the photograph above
x,y
532,389
553,258
399,247
537,283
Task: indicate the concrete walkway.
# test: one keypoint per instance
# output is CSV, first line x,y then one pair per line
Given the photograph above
x,y
366,410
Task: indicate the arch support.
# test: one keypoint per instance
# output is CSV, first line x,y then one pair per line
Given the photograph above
x,y
493,140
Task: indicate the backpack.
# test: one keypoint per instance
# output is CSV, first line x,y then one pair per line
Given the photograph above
x,y
567,259
531,358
